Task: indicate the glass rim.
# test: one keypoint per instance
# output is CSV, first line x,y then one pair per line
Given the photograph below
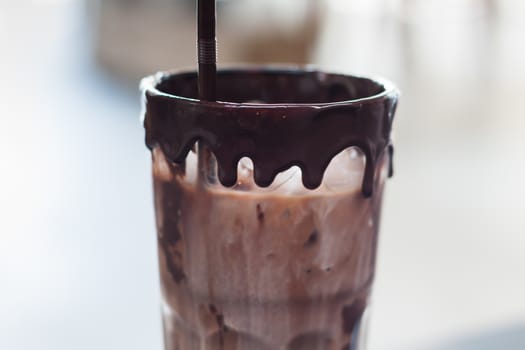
x,y
150,85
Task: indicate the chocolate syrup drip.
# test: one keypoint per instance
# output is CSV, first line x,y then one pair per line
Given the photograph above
x,y
302,118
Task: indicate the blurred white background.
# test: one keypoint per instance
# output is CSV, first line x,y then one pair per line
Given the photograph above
x,y
78,263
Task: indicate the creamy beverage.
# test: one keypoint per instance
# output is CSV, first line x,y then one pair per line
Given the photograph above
x,y
272,244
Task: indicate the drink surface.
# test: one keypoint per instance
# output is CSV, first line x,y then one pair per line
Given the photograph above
x,y
278,268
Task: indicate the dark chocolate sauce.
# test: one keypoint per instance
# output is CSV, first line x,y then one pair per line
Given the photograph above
x,y
305,118
351,315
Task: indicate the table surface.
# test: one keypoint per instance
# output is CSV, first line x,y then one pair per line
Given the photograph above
x,y
78,265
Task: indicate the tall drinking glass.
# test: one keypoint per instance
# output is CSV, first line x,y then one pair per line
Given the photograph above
x,y
267,239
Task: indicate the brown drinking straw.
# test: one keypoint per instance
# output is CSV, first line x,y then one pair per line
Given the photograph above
x,y
207,58
207,47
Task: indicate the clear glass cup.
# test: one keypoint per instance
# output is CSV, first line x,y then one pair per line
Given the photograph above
x,y
281,267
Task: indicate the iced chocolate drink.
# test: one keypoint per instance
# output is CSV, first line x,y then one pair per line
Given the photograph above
x,y
271,242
